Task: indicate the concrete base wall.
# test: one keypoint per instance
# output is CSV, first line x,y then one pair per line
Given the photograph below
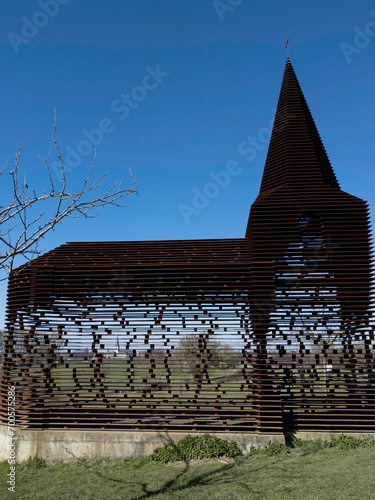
x,y
328,436
58,445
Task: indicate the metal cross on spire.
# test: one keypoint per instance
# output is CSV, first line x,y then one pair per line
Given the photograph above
x,y
287,48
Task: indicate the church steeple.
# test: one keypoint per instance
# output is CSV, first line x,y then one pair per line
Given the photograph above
x,y
296,153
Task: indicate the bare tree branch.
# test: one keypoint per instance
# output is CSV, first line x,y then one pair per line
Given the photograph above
x,y
24,222
325,336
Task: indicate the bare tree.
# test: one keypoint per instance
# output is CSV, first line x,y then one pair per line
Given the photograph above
x,y
25,221
320,328
198,353
228,358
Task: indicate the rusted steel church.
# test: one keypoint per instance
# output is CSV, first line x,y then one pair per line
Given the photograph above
x,y
268,333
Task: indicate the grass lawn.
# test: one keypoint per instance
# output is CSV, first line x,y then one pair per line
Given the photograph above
x,y
304,473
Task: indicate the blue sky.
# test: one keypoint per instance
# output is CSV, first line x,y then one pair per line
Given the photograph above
x,y
213,71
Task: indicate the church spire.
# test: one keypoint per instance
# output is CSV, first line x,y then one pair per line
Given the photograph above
x,y
296,153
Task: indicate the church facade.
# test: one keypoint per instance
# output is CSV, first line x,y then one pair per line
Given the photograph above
x,y
266,334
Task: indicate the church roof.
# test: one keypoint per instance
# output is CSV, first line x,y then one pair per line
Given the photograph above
x,y
141,267
148,253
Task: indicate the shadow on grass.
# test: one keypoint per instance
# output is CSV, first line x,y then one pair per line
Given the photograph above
x,y
205,478
218,476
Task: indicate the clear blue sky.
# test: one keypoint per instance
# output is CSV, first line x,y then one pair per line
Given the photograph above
x,y
218,65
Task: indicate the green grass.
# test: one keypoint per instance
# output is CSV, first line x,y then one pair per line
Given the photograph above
x,y
121,391
309,471
230,386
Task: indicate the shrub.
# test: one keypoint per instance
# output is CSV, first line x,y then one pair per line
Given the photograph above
x,y
349,442
270,450
191,447
342,442
307,446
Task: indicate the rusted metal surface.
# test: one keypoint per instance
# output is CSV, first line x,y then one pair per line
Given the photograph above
x,y
267,333
311,281
146,297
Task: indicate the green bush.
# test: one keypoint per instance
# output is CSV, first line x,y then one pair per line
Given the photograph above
x,y
191,447
270,450
307,446
350,442
342,442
